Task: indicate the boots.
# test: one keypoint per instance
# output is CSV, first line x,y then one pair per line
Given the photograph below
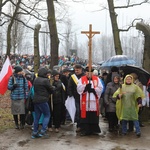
x,y
16,126
22,121
16,121
21,126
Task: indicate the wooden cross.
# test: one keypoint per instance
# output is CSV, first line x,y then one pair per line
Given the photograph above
x,y
90,34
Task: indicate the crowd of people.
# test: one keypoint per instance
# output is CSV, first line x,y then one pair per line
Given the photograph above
x,y
27,61
117,101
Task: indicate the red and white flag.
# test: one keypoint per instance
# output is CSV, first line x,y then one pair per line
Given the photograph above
x,y
5,74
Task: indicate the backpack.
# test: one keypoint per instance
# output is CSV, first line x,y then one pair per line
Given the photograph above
x,y
29,101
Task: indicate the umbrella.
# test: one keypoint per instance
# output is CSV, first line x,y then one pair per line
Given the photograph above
x,y
143,75
118,60
100,63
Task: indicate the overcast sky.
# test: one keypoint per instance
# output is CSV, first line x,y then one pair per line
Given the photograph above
x,y
86,13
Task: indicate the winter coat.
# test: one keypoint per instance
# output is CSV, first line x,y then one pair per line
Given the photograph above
x,y
20,91
72,88
110,102
64,80
42,87
58,94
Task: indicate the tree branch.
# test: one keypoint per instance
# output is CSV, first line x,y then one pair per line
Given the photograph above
x,y
31,10
25,24
4,3
132,5
132,25
4,22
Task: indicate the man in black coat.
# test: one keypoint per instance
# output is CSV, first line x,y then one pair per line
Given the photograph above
x,y
72,91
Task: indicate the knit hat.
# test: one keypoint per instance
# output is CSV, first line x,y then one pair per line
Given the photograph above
x,y
17,69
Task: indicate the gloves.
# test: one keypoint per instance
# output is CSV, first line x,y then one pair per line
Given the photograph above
x,y
92,90
139,100
87,87
14,86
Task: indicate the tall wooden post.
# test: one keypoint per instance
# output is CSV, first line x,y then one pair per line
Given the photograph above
x,y
90,34
36,48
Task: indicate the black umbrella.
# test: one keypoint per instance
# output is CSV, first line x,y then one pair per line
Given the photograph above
x,y
143,75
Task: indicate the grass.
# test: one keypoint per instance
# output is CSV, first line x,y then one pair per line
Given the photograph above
x,y
6,119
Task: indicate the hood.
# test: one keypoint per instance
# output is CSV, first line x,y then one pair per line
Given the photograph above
x,y
126,78
114,75
42,72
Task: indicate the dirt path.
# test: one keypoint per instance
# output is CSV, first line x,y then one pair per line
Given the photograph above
x,y
68,139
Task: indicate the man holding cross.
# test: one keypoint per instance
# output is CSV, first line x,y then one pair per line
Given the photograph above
x,y
90,88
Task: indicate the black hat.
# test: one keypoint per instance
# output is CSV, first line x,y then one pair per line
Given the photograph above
x,y
54,73
18,69
87,69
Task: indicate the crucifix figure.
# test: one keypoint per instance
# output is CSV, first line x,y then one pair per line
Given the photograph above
x,y
90,34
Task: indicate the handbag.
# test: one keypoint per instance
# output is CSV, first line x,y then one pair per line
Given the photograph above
x,y
29,118
29,104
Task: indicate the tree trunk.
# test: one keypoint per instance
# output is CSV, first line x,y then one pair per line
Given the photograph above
x,y
1,7
9,29
53,33
115,30
36,48
146,56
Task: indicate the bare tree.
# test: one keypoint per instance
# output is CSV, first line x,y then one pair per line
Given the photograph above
x,y
2,3
45,48
53,33
68,36
36,48
115,28
75,44
10,28
17,33
1,43
145,28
